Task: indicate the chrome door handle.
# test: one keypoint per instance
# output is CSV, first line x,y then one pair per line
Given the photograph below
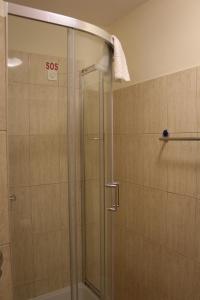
x,y
12,197
1,263
115,203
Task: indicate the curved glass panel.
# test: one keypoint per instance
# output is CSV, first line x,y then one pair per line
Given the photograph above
x,y
37,143
60,160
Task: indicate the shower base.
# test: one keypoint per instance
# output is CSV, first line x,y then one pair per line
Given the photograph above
x,y
64,294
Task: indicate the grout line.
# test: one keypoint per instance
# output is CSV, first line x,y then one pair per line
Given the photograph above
x,y
158,189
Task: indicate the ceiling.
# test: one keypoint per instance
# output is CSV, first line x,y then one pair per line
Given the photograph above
x,y
101,12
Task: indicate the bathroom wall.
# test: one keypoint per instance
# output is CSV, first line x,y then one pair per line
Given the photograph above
x,y
160,37
157,240
37,142
5,280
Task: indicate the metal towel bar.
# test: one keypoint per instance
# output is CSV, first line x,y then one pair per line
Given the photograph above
x,y
1,263
166,137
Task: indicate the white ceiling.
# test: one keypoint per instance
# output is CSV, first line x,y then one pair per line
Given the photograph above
x,y
101,12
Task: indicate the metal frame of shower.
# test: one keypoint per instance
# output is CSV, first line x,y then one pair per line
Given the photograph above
x,y
57,19
71,24
84,72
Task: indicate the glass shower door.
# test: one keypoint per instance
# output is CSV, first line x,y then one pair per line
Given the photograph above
x,y
92,178
90,167
96,160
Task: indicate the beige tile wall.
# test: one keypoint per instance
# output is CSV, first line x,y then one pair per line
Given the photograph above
x,y
37,142
157,240
5,280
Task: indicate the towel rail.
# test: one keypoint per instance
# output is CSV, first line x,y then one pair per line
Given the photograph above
x,y
166,137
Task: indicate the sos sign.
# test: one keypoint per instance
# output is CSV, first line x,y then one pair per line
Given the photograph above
x,y
52,66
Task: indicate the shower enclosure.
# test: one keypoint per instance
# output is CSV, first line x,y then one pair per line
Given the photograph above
x,y
62,194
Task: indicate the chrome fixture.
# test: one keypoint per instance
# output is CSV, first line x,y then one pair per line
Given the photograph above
x,y
115,202
166,137
12,197
1,263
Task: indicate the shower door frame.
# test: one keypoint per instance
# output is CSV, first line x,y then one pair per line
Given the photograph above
x,y
108,205
83,73
57,19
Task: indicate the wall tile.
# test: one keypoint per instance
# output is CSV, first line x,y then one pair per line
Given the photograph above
x,y
43,92
120,240
129,156
62,82
128,111
62,110
181,95
22,206
91,111
134,261
180,224
131,197
24,292
197,168
21,225
22,260
92,202
21,72
5,283
55,281
63,64
197,228
43,117
117,103
91,158
44,159
152,268
38,135
4,224
65,255
2,8
46,208
18,107
178,276
198,99
63,158
155,105
155,165
93,254
64,205
47,254
182,167
160,235
154,202
19,160
43,110
38,72
196,294
41,287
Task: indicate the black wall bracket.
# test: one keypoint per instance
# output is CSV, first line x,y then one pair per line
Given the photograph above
x,y
165,133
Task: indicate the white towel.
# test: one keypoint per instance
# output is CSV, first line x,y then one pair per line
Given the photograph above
x,y
119,61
